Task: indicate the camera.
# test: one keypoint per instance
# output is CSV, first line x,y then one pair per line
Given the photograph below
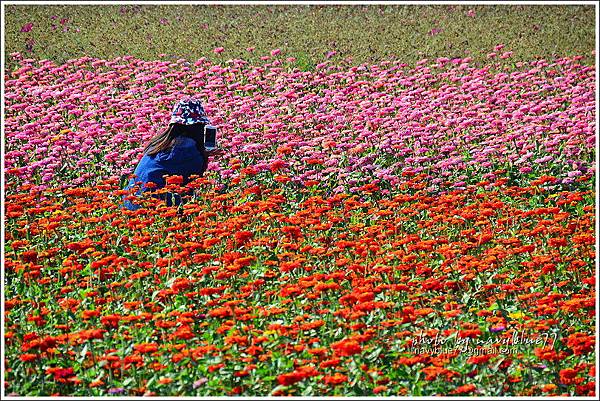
x,y
210,137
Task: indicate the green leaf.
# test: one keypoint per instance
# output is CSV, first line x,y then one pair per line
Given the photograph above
x,y
83,353
276,389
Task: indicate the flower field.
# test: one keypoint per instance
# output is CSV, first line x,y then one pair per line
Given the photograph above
x,y
376,229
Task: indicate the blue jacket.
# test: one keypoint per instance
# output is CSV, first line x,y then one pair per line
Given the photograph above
x,y
182,159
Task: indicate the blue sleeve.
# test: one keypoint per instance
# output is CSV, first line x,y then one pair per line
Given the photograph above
x,y
151,170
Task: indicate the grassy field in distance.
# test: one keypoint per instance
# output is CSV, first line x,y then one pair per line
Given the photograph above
x,y
310,33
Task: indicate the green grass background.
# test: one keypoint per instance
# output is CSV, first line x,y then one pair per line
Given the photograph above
x,y
366,33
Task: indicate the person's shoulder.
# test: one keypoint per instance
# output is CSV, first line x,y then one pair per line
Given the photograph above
x,y
181,151
184,147
152,161
183,142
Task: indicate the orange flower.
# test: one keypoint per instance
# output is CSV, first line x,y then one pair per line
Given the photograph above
x,y
379,389
165,380
282,178
581,343
146,348
568,376
547,354
287,379
180,284
330,363
111,320
174,180
479,359
88,314
28,357
335,379
464,389
346,348
241,237
96,383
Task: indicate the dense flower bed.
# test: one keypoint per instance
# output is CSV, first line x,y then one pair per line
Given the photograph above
x,y
343,126
371,230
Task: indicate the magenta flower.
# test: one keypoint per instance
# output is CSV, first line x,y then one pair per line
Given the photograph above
x,y
386,121
27,27
200,382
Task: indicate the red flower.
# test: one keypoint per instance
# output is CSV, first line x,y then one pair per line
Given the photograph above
x,y
336,379
346,348
111,320
60,373
146,348
465,389
478,359
181,284
30,256
28,357
330,363
379,389
287,379
581,343
241,237
568,376
547,354
175,180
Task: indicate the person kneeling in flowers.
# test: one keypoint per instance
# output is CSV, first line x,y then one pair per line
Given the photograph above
x,y
178,151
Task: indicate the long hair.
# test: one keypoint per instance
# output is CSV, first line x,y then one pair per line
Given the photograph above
x,y
165,140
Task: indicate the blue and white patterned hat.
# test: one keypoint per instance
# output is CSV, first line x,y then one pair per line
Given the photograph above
x,y
188,111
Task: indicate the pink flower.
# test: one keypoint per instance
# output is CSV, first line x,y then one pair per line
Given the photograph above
x,y
219,50
471,13
27,27
385,104
275,52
